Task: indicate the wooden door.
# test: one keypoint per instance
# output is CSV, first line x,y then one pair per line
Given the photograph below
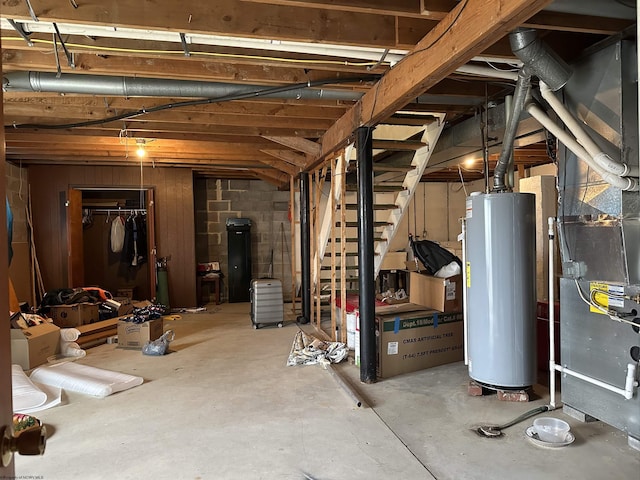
x,y
75,244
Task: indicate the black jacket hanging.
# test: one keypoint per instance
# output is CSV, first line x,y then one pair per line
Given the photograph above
x,y
134,250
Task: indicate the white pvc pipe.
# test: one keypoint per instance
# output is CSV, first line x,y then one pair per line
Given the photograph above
x,y
465,315
570,142
552,315
626,392
488,72
624,183
604,160
372,54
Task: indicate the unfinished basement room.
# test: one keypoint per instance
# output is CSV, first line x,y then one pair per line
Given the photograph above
x,y
320,240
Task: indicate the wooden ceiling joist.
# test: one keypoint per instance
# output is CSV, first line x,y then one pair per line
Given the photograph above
x,y
296,143
282,166
272,137
288,156
463,33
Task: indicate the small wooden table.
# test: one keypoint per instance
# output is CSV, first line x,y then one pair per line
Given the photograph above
x,y
203,280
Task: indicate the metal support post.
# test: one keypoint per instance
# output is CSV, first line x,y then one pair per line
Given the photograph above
x,y
364,144
305,248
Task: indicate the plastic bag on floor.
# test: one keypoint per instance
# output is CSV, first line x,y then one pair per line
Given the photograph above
x,y
309,350
160,346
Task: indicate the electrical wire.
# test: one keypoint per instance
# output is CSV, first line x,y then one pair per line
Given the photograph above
x,y
439,37
612,314
205,101
371,64
501,69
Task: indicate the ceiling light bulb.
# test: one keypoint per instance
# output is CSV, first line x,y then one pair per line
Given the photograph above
x,y
141,152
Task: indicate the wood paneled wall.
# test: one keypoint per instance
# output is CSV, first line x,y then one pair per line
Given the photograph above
x,y
174,218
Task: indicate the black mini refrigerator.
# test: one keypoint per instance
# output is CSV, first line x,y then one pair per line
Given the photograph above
x,y
239,252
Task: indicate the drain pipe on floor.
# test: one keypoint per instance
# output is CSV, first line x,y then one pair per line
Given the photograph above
x,y
346,388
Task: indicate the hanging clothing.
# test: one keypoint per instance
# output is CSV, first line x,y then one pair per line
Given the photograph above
x,y
134,249
117,234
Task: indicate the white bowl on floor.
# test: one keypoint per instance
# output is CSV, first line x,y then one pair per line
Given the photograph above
x,y
552,430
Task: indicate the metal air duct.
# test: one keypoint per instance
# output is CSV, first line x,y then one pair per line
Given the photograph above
x,y
543,62
155,87
540,61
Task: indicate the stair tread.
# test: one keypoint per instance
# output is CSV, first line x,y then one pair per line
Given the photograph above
x,y
328,280
355,239
378,188
348,254
390,168
377,206
355,224
338,267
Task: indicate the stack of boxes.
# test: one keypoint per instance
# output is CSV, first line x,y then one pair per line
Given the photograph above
x,y
425,332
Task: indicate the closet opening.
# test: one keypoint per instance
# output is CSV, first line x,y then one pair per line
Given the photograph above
x,y
111,240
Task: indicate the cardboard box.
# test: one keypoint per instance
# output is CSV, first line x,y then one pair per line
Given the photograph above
x,y
122,305
454,247
74,315
135,335
394,261
125,292
442,294
410,265
208,267
32,346
416,340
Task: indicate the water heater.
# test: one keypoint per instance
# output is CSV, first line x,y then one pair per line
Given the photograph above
x,y
501,289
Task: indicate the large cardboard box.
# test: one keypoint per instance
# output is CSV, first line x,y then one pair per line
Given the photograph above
x,y
74,315
32,346
416,340
135,335
442,294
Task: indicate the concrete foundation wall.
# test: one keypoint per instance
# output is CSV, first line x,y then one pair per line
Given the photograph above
x,y
271,250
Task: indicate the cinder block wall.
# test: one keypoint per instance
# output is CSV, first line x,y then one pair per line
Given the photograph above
x,y
266,206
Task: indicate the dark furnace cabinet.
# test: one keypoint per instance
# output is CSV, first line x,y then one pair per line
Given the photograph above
x,y
239,252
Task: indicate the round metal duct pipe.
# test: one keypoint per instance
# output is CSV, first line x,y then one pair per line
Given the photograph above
x,y
543,62
155,87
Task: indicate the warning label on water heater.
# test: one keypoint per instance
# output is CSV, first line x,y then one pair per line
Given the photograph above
x,y
469,208
468,268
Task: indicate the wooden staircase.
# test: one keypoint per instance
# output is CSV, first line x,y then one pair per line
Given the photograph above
x,y
334,233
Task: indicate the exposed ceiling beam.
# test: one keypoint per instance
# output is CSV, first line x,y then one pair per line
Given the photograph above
x,y
296,143
466,31
282,166
148,128
288,156
280,180
231,59
421,10
184,68
224,17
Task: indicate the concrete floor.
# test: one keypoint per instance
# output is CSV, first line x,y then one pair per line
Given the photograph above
x,y
223,405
